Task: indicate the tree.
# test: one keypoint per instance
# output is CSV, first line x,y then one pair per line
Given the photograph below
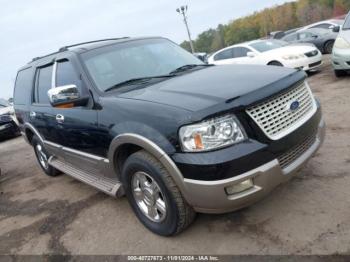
x,y
259,24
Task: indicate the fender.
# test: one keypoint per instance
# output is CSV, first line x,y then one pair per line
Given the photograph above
x,y
33,129
152,148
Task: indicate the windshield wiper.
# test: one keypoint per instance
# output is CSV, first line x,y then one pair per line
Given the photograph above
x,y
187,67
135,81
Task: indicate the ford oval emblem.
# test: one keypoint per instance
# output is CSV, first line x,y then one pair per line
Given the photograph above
x,y
294,105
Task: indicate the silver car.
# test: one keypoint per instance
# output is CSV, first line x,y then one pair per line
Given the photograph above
x,y
341,50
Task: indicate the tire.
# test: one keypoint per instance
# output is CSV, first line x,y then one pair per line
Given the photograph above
x,y
42,156
275,63
328,47
177,215
340,73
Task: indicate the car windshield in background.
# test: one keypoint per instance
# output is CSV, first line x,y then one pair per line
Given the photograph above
x,y
264,46
147,58
347,23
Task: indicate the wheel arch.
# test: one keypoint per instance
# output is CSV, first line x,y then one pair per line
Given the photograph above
x,y
30,131
326,43
274,61
134,142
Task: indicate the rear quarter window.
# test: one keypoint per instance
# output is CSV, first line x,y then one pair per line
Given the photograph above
x,y
23,87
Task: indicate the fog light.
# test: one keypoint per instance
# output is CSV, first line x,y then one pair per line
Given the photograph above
x,y
240,187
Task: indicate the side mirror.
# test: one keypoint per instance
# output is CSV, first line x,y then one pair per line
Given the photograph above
x,y
66,97
336,29
251,54
315,36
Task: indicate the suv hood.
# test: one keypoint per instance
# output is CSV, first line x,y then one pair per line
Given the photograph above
x,y
210,86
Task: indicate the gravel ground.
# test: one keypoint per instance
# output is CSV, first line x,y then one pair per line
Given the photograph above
x,y
308,215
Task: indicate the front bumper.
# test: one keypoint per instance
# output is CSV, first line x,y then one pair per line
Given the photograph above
x,y
8,129
341,59
211,197
306,64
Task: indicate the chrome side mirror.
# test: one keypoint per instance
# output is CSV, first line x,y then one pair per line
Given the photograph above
x,y
66,95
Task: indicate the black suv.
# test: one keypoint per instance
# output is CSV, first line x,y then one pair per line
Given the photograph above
x,y
144,118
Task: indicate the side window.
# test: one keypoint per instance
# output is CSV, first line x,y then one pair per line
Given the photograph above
x,y
324,26
292,37
23,87
42,84
303,36
66,75
240,52
226,54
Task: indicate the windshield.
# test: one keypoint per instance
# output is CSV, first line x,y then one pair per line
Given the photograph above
x,y
264,46
121,62
346,25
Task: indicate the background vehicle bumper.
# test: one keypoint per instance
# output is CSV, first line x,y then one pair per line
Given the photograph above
x,y
341,59
211,197
8,129
306,64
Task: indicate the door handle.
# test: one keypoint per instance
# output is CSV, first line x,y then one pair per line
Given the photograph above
x,y
32,114
59,118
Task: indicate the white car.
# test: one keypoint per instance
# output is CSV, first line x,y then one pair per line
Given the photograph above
x,y
270,52
327,24
341,50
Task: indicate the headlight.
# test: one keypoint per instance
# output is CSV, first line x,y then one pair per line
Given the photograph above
x,y
293,57
212,134
341,43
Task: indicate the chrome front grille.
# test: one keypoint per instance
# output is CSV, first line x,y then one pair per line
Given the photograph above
x,y
277,117
290,156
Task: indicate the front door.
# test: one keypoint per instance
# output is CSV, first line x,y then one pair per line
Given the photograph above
x,y
76,128
41,113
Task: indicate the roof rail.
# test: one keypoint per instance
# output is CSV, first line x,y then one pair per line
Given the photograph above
x,y
39,57
65,48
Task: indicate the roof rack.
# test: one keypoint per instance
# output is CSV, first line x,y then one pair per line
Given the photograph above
x,y
39,57
65,48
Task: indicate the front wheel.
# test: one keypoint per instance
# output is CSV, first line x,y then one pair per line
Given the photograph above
x,y
154,196
43,157
328,47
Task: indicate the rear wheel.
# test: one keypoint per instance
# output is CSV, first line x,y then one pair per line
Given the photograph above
x,y
43,157
328,47
340,73
154,196
275,63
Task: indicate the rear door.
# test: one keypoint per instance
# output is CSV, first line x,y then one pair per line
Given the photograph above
x,y
224,57
291,38
240,56
306,37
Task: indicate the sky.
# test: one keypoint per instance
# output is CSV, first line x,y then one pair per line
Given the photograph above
x,y
31,28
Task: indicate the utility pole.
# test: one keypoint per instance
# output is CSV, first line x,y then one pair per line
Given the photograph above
x,y
183,10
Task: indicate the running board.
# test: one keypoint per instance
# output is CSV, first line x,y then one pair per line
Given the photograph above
x,y
107,185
